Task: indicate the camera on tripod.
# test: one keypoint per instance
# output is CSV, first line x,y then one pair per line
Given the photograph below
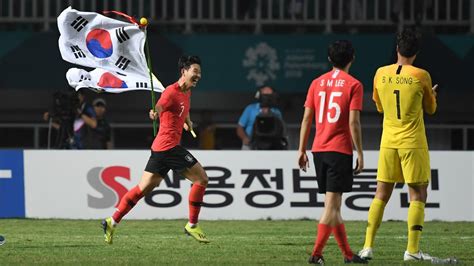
x,y
63,112
65,105
269,131
268,100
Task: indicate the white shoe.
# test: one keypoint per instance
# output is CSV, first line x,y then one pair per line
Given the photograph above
x,y
420,256
366,253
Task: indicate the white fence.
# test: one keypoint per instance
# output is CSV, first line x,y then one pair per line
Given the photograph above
x,y
243,185
258,13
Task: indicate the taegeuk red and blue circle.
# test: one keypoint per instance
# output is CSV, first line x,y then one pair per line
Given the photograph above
x,y
99,43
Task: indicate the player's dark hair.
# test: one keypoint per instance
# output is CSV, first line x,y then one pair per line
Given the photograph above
x,y
408,42
341,53
186,61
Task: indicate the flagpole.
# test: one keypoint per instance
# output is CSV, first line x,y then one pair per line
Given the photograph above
x,y
144,23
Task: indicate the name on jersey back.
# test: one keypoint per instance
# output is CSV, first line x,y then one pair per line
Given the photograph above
x,y
397,80
332,82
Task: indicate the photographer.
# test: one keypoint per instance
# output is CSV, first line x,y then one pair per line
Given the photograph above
x,y
270,122
84,121
100,136
73,118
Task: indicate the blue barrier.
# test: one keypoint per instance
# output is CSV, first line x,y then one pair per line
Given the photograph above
x,y
12,185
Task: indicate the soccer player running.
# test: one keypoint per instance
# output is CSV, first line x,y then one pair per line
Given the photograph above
x,y
166,153
402,92
335,101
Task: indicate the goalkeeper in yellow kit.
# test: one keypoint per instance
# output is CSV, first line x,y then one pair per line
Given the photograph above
x,y
402,93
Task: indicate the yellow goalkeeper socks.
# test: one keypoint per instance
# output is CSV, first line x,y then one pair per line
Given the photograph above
x,y
416,217
373,221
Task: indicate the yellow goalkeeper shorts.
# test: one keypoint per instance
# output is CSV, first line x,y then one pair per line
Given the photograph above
x,y
411,166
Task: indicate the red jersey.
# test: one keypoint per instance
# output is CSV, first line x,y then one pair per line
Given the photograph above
x,y
175,104
332,96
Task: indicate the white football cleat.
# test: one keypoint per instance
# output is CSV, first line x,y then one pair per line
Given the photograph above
x,y
419,256
366,253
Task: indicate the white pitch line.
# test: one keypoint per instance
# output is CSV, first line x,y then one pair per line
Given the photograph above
x,y
4,173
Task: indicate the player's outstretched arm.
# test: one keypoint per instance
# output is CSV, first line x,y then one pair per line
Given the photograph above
x,y
304,134
429,99
356,132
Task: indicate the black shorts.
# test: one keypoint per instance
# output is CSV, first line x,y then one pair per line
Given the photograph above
x,y
176,158
333,171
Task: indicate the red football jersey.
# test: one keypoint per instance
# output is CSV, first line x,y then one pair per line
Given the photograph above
x,y
176,106
332,96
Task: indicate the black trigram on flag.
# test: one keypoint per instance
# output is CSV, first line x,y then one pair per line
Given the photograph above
x,y
122,63
79,23
84,78
78,53
141,85
121,35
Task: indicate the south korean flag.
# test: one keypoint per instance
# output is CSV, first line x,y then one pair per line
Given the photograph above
x,y
101,80
111,46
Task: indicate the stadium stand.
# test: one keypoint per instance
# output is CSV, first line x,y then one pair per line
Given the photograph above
x,y
33,69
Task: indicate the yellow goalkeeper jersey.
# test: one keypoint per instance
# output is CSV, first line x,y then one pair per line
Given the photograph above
x,y
401,93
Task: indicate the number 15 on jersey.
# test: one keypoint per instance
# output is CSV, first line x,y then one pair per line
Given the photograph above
x,y
331,105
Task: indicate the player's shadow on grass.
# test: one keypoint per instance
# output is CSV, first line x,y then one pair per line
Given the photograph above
x,y
61,246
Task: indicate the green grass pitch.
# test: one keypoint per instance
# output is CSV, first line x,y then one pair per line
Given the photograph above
x,y
148,242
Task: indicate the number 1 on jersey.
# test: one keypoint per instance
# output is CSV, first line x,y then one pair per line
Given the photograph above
x,y
397,96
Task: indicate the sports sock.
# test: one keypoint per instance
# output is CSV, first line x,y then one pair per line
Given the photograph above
x,y
373,221
324,231
127,202
416,217
340,235
196,196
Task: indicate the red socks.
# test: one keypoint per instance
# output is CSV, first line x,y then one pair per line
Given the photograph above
x,y
127,202
196,196
131,198
339,231
324,231
341,238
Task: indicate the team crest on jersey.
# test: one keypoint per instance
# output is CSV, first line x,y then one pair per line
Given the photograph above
x,y
189,158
